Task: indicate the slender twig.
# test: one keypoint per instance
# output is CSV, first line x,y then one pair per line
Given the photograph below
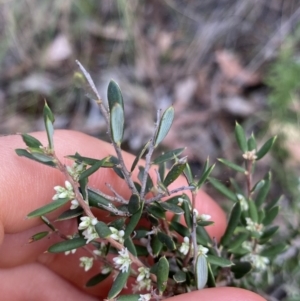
x,y
118,197
194,227
149,156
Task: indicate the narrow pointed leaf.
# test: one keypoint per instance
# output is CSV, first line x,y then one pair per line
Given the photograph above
x,y
205,175
133,297
48,208
149,182
134,203
67,245
251,143
30,141
170,155
232,165
253,212
270,216
219,261
258,185
179,277
69,214
97,279
164,125
139,156
162,273
96,200
187,214
117,123
166,240
156,245
265,148
268,234
102,230
201,271
118,284
38,236
202,236
274,250
133,221
237,241
94,168
179,228
174,173
211,282
241,138
223,189
49,120
114,95
232,223
156,211
24,153
42,157
171,207
91,161
47,223
263,192
188,174
128,243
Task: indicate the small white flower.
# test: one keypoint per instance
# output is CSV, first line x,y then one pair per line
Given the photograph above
x,y
64,192
74,204
260,263
68,186
145,297
86,262
117,235
142,285
88,225
105,269
195,212
185,246
123,261
180,201
144,274
205,217
75,170
254,227
250,155
202,250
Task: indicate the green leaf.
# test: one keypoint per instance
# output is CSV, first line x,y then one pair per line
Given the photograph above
x,y
48,208
252,210
211,282
171,207
174,173
202,236
188,174
205,223
156,245
232,223
134,297
179,228
241,268
91,161
268,234
47,223
170,155
270,216
219,261
24,153
164,125
49,120
94,168
274,250
141,251
139,156
187,214
179,277
265,148
251,143
133,221
237,241
69,214
223,189
232,165
149,183
42,157
205,175
97,279
96,200
263,192
128,243
162,170
162,273
166,240
67,245
30,141
258,185
117,123
102,230
134,203
38,236
89,80
118,284
201,271
114,95
241,138
156,211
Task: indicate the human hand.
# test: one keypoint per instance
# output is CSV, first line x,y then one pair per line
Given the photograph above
x,y
26,272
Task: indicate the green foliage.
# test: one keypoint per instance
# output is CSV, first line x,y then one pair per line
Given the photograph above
x,y
156,221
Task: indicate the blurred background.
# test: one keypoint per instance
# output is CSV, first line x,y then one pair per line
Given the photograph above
x,y
216,61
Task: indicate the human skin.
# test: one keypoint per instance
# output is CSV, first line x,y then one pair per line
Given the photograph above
x,y
26,272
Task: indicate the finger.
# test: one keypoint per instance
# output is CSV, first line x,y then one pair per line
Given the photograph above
x,y
26,185
219,294
35,282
